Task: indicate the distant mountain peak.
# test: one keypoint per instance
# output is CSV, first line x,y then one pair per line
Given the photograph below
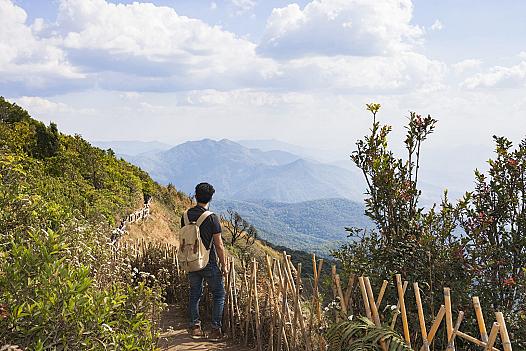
x,y
241,172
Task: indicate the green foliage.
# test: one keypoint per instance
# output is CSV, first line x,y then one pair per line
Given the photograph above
x,y
61,284
53,302
486,259
363,335
403,230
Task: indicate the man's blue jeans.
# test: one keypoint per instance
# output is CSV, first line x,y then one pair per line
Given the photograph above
x,y
213,277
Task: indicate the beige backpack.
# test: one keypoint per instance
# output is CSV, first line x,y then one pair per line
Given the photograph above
x,y
193,255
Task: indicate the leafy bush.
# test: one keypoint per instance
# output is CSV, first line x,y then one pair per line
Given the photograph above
x,y
476,247
62,285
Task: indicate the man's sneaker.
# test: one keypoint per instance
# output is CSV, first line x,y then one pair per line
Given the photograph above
x,y
215,334
196,332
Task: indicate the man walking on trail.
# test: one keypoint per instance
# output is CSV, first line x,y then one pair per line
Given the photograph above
x,y
210,233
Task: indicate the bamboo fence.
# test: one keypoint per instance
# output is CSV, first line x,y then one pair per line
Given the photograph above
x,y
141,214
266,307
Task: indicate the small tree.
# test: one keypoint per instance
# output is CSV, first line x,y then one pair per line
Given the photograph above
x,y
236,225
251,235
420,245
47,140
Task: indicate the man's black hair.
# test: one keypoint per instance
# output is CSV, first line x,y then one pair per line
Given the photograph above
x,y
204,192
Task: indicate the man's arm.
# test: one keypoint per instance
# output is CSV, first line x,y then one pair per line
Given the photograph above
x,y
220,250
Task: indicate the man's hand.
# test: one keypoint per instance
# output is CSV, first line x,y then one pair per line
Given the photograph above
x,y
220,250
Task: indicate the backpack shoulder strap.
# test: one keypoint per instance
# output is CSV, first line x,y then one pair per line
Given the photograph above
x,y
185,218
202,217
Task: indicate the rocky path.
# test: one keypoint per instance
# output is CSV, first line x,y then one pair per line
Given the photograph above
x,y
174,336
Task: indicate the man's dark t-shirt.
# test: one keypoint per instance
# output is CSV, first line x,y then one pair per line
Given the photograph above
x,y
210,226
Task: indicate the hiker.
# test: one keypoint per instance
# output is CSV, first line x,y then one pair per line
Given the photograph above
x,y
201,252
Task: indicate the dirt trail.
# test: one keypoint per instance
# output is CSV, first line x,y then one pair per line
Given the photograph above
x,y
174,336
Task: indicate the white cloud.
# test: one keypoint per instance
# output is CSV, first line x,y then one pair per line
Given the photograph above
x,y
244,5
37,105
403,72
242,97
213,5
465,65
340,27
522,55
140,40
499,77
27,61
437,25
142,47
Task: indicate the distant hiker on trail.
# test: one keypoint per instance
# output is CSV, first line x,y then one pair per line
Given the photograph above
x,y
201,246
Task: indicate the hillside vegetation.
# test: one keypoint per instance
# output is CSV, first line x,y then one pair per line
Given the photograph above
x,y
61,285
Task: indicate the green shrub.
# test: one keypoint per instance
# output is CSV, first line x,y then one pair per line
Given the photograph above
x,y
62,286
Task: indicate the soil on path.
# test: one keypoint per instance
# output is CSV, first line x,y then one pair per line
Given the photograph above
x,y
175,337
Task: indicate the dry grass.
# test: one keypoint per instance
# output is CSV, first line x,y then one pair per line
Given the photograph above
x,y
162,226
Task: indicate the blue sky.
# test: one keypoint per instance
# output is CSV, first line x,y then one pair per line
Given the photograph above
x,y
298,71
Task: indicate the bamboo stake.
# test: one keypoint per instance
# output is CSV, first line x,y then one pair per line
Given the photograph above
x,y
300,314
480,319
476,341
285,307
232,301
374,310
314,290
348,292
256,300
288,272
421,317
237,311
504,337
365,298
296,314
405,324
247,310
492,336
372,303
449,315
316,298
340,294
381,294
395,317
435,325
451,342
272,303
282,332
334,289
226,317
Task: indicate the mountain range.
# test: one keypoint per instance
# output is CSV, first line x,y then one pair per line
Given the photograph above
x,y
242,173
292,199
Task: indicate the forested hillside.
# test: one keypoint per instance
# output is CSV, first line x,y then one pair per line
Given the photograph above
x,y
61,283
315,226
